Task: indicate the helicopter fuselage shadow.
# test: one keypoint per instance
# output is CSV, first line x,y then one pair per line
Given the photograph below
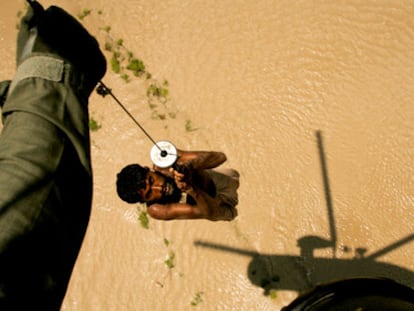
x,y
299,273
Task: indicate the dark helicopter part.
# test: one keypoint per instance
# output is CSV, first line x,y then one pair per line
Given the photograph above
x,y
356,294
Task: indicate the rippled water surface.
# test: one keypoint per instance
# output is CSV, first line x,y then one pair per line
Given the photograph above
x,y
312,101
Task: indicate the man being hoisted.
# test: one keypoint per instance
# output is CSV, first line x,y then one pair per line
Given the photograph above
x,y
192,188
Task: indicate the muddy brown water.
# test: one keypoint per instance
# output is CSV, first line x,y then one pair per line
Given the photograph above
x,y
312,101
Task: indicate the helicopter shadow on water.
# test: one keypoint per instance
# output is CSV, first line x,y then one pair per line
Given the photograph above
x,y
302,272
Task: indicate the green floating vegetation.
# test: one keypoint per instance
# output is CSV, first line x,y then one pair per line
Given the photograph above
x,y
84,13
106,28
136,66
143,216
115,64
93,124
189,126
157,94
156,90
170,261
125,77
158,116
108,47
122,60
143,219
123,63
197,299
273,294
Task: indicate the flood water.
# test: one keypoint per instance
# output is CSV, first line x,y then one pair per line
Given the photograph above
x,y
312,102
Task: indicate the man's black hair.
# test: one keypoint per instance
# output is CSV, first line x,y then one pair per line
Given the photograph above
x,y
129,181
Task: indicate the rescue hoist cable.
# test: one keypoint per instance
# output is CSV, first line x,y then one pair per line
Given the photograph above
x,y
167,152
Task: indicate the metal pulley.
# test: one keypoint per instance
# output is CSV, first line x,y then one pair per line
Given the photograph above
x,y
163,154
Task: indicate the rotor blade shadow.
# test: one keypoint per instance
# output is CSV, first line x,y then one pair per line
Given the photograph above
x,y
328,197
225,248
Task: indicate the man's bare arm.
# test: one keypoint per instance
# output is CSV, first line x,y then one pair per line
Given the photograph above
x,y
201,160
198,160
174,211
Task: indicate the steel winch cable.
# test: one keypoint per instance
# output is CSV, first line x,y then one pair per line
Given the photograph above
x,y
103,90
163,153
